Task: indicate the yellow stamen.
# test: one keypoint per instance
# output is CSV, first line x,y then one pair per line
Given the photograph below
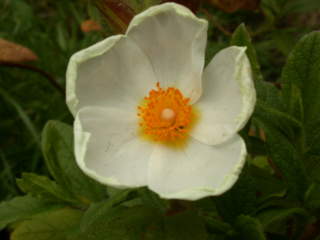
x,y
166,115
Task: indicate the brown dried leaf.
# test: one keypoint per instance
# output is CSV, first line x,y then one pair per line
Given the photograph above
x,y
90,26
118,13
15,53
231,6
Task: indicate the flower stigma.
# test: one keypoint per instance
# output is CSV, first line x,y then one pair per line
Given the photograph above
x,y
166,116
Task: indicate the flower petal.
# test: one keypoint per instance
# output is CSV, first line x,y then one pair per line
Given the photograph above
x,y
197,171
228,97
174,40
114,72
107,147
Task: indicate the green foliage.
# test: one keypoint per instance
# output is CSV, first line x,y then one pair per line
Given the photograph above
x,y
302,73
55,225
312,198
241,199
20,208
120,223
277,194
57,146
249,228
241,37
287,160
270,216
185,225
42,186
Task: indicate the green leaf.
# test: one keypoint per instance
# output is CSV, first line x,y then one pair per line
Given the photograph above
x,y
217,226
121,223
312,164
55,225
240,199
61,36
151,199
302,70
270,216
241,37
312,197
270,95
313,138
97,211
43,187
275,219
112,220
303,6
283,40
249,228
269,186
186,225
276,118
286,159
20,208
57,147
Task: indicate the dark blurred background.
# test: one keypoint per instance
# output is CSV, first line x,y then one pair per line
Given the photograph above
x,y
38,37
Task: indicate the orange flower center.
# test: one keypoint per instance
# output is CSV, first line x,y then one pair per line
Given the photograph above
x,y
166,115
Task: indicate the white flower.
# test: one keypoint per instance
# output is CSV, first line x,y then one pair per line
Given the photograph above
x,y
147,114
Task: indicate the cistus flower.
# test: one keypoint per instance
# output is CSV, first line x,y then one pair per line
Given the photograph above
x,y
147,114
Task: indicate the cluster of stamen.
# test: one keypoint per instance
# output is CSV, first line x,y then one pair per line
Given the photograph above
x,y
165,115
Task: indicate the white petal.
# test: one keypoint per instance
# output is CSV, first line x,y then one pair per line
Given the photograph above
x,y
174,40
228,97
107,147
113,72
197,171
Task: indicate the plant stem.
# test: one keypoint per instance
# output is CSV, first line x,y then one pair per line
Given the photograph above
x,y
51,79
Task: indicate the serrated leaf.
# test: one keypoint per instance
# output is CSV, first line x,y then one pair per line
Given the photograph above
x,y
55,225
302,70
249,228
241,37
57,147
20,208
42,186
